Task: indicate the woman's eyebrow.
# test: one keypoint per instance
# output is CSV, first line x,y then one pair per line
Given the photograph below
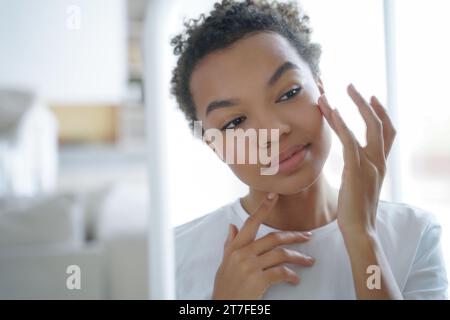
x,y
273,79
221,104
280,71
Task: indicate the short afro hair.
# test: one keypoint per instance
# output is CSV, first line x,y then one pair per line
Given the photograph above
x,y
228,22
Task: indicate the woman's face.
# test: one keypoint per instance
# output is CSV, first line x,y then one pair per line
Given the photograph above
x,y
241,74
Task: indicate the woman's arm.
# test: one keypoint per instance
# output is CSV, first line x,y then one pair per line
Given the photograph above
x,y
362,179
372,275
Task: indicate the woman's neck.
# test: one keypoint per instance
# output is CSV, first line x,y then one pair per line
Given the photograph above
x,y
309,209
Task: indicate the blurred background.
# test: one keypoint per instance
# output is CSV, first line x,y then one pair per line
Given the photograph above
x,y
74,131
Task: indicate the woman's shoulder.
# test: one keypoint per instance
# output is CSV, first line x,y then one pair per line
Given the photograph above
x,y
401,214
217,217
411,236
207,230
198,243
404,230
399,222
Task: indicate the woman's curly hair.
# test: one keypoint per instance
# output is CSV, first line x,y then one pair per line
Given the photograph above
x,y
228,22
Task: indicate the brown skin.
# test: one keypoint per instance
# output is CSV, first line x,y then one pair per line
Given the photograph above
x,y
303,199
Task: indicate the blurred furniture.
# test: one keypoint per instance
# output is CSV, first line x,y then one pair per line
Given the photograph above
x,y
102,231
28,145
86,124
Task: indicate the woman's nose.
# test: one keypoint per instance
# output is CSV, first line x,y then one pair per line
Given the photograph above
x,y
271,124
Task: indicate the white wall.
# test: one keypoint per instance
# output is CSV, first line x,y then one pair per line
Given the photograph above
x,y
39,51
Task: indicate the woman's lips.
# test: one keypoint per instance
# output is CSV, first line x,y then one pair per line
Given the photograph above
x,y
291,158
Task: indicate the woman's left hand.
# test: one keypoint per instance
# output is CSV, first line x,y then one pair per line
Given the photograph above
x,y
364,167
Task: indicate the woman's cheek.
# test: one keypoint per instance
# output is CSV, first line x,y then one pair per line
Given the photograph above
x,y
241,148
247,173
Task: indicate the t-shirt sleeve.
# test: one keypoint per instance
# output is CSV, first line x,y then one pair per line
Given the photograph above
x,y
427,278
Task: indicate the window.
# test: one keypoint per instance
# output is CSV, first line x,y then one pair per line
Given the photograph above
x,y
424,110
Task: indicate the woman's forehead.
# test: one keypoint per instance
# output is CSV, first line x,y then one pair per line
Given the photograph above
x,y
254,53
248,62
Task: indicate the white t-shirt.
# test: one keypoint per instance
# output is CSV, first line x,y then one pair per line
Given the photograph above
x,y
410,238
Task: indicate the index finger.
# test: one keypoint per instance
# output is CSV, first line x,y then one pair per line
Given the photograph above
x,y
248,231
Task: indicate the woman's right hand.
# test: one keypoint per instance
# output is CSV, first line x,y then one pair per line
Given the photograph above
x,y
249,267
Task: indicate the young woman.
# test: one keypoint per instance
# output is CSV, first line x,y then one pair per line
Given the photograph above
x,y
252,65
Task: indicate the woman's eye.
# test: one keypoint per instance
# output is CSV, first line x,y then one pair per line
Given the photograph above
x,y
289,94
233,123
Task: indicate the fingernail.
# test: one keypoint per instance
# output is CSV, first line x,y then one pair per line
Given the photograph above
x,y
352,86
307,233
337,112
375,99
324,98
307,257
271,196
310,259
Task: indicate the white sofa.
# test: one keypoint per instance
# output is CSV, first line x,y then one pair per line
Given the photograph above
x,y
103,232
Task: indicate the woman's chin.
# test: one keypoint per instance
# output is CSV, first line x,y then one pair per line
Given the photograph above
x,y
291,185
